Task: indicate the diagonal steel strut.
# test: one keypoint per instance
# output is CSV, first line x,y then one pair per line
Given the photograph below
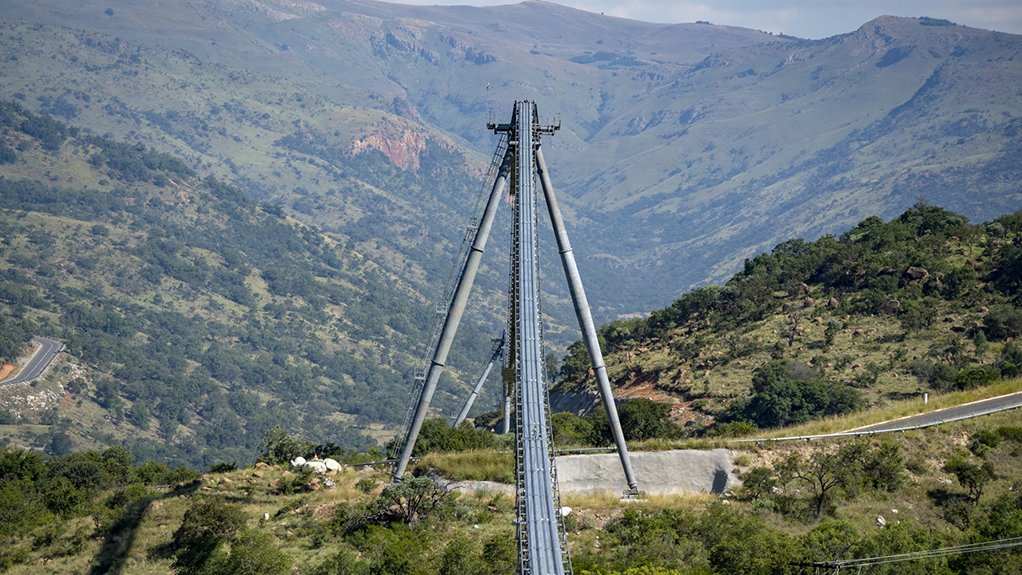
x,y
455,311
585,319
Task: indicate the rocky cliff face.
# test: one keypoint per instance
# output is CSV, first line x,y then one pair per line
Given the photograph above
x,y
401,147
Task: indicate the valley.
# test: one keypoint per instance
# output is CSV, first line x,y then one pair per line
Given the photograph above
x,y
239,219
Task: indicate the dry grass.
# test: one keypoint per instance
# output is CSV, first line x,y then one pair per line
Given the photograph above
x,y
475,465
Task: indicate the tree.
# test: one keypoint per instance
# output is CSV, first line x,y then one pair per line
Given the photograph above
x,y
250,553
461,557
500,554
411,499
570,429
656,539
205,525
830,332
785,393
821,473
1010,360
742,543
903,537
971,475
848,468
20,464
645,419
1002,322
61,496
758,482
829,541
60,444
437,435
279,446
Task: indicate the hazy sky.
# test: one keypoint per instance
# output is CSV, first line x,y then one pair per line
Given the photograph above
x,y
804,18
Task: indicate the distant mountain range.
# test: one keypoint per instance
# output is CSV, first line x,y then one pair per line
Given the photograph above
x,y
683,150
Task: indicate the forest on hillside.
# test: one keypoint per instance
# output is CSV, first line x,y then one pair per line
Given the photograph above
x,y
194,318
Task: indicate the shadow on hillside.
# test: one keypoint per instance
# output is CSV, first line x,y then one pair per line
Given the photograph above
x,y
121,535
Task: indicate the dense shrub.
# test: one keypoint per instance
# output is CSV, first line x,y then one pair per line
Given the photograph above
x,y
1010,360
1003,322
570,429
786,393
437,435
206,524
279,446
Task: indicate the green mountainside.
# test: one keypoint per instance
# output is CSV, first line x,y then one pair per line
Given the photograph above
x,y
684,148
194,317
926,302
258,200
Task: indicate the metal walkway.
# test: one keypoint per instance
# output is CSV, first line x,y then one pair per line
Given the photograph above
x,y
541,541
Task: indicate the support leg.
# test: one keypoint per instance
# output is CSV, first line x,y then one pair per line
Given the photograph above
x,y
505,426
475,393
585,318
454,314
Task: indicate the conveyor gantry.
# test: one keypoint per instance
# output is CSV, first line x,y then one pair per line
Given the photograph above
x,y
542,548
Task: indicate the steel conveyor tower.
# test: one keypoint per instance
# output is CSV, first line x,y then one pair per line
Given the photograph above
x,y
542,548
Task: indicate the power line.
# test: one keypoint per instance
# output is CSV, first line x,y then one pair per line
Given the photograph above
x,y
996,545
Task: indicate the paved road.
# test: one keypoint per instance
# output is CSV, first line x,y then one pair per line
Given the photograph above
x,y
966,411
37,364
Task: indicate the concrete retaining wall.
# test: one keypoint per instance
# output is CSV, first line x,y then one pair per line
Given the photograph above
x,y
678,471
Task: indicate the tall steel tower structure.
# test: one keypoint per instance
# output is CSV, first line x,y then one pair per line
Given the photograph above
x,y
542,549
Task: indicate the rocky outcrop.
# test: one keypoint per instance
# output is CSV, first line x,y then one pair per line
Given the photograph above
x,y
402,147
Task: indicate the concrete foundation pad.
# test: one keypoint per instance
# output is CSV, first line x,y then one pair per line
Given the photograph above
x,y
675,472
679,471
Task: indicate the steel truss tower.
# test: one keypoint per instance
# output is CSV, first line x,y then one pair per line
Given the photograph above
x,y
542,550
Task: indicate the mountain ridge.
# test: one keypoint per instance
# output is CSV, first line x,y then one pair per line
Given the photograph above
x,y
712,138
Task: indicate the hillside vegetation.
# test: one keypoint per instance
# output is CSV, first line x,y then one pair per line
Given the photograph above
x,y
194,318
926,302
98,512
684,148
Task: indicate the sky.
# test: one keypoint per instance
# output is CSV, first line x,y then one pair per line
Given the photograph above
x,y
802,18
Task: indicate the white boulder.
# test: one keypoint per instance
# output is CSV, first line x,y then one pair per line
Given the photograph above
x,y
314,466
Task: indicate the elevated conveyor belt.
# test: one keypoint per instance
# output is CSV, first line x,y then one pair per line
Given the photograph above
x,y
541,543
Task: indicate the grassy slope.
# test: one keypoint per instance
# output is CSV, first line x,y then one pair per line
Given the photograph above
x,y
300,523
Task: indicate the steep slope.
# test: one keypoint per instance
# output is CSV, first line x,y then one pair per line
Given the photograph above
x,y
195,318
889,310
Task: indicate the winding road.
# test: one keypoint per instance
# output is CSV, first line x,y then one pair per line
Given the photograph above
x,y
37,364
964,411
